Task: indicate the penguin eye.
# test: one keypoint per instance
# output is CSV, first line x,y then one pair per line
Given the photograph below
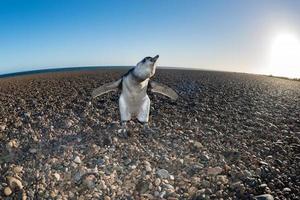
x,y
146,58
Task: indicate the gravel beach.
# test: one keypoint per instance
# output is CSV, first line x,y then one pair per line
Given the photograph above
x,y
228,136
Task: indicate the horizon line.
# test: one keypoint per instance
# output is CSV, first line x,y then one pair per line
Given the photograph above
x,y
91,67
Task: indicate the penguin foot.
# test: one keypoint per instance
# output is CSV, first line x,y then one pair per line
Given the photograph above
x,y
123,133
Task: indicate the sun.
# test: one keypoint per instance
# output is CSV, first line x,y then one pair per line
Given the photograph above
x,y
284,57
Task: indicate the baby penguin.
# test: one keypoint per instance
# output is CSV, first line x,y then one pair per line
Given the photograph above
x,y
134,101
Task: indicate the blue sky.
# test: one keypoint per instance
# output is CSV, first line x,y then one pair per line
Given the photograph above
x,y
230,35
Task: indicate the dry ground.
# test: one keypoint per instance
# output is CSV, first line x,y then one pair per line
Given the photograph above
x,y
230,136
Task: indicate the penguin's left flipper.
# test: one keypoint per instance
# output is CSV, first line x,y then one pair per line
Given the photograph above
x,y
163,89
108,87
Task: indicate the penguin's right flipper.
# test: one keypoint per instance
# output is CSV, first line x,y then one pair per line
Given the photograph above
x,y
108,87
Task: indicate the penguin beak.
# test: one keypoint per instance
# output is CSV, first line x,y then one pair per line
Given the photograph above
x,y
154,59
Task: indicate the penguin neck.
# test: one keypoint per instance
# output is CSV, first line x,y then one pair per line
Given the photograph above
x,y
137,78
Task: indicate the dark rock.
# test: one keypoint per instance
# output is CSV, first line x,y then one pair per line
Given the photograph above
x,y
264,197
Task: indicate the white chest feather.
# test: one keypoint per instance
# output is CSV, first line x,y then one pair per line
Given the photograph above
x,y
134,93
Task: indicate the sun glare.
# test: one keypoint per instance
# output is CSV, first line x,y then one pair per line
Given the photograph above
x,y
285,56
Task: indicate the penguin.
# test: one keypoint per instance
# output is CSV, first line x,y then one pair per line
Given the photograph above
x,y
134,101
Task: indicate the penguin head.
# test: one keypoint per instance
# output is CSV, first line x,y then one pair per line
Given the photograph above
x,y
146,67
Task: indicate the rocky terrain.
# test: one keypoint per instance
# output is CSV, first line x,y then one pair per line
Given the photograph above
x,y
229,136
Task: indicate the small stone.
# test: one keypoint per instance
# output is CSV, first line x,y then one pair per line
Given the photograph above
x,y
157,182
169,186
202,191
214,170
100,162
56,176
263,163
107,140
32,150
68,123
227,168
71,194
186,195
219,193
115,140
2,127
222,178
17,169
247,173
208,191
24,196
147,177
162,194
287,190
53,193
120,131
264,197
269,157
133,166
198,145
14,183
195,180
77,160
102,185
148,168
163,173
89,181
148,196
142,186
12,144
7,191
172,177
192,190
236,185
204,157
146,163
27,114
258,171
268,190
181,161
278,162
263,185
106,198
205,183
77,176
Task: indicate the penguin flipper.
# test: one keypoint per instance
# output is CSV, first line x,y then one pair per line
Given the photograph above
x,y
163,89
108,87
